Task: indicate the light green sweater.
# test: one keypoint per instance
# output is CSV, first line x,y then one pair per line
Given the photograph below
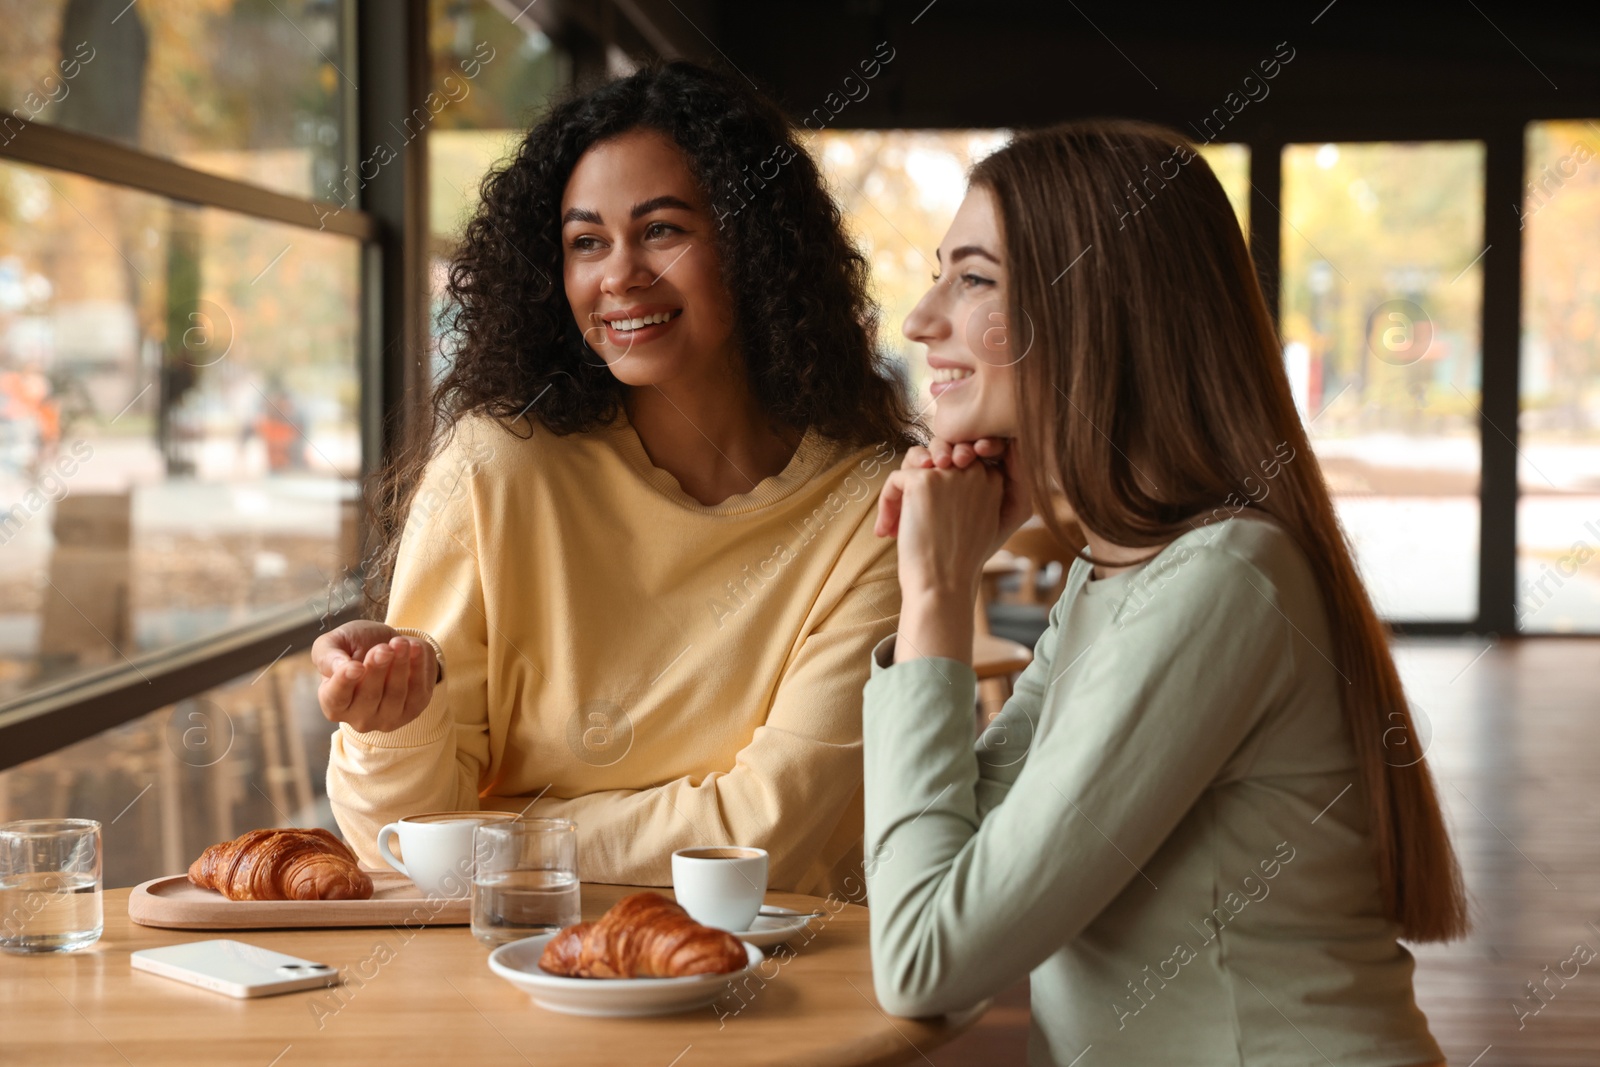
x,y
1164,828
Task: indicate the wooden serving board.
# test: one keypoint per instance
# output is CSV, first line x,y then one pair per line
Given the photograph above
x,y
175,903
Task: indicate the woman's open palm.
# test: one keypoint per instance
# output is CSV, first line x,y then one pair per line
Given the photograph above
x,y
373,677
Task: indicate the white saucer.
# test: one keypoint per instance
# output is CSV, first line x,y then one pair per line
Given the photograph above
x,y
518,963
770,930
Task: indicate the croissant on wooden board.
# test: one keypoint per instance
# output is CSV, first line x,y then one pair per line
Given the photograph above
x,y
643,936
282,864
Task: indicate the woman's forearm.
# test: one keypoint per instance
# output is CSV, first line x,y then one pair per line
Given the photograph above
x,y
935,623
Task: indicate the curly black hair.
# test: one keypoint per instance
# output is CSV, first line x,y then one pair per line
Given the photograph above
x,y
804,322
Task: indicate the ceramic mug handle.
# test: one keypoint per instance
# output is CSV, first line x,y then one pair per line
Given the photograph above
x,y
384,836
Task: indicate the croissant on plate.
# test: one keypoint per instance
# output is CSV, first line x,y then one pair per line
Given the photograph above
x,y
643,936
282,864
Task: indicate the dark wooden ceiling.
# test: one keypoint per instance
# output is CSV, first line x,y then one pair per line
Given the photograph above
x,y
1435,69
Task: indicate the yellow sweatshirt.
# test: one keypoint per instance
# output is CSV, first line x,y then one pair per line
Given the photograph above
x,y
662,672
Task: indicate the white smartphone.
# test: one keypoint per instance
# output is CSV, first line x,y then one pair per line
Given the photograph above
x,y
235,968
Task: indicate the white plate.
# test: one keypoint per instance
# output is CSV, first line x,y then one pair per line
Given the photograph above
x,y
518,963
770,930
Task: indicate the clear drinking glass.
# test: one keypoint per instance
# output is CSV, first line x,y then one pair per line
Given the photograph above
x,y
50,885
525,879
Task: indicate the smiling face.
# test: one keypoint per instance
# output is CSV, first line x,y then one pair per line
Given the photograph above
x,y
964,321
641,271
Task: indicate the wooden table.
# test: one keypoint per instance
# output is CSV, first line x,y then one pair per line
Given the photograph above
x,y
427,997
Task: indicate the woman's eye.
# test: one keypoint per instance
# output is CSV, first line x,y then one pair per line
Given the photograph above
x,y
659,229
973,281
584,244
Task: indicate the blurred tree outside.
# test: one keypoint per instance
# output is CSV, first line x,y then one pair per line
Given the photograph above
x,y
1368,228
482,128
1561,301
1558,517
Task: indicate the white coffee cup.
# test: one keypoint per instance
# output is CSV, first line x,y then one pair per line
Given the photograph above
x,y
437,848
720,885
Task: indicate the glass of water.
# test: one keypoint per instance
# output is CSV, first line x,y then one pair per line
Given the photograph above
x,y
524,878
50,885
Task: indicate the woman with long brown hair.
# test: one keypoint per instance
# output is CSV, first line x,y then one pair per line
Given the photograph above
x,y
638,535
1200,823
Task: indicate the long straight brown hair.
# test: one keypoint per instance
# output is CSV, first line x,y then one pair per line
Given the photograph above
x,y
1152,393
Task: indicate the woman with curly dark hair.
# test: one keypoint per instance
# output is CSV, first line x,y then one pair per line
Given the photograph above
x,y
638,539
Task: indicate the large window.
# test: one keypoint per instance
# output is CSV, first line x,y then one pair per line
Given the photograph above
x,y
1558,517
180,437
1381,298
186,340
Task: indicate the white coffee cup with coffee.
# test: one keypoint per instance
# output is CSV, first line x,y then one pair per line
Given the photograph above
x,y
437,849
721,885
